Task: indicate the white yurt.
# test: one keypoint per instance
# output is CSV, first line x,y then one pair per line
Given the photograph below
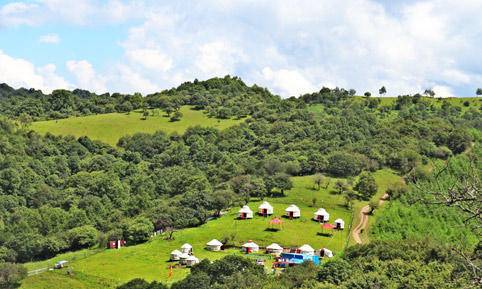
x,y
339,224
191,260
186,248
321,215
274,249
265,209
250,247
182,258
214,245
175,255
307,250
245,213
293,211
326,253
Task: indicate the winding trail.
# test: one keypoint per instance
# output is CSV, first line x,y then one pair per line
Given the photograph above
x,y
361,226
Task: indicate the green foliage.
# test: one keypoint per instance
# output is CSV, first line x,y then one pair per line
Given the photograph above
x,y
142,284
11,275
425,209
366,186
223,273
139,230
395,265
82,237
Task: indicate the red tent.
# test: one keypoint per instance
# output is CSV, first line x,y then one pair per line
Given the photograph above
x,y
276,222
328,226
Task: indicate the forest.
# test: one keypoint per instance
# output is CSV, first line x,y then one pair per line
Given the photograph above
x,y
58,193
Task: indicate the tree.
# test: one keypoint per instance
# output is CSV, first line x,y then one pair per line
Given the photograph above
x,y
280,181
139,230
25,120
366,186
318,180
176,116
11,275
82,237
145,113
458,141
368,94
221,200
429,92
142,284
479,91
382,90
342,164
341,187
373,205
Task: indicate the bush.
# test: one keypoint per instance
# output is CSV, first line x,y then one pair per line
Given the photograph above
x,y
366,186
139,230
82,237
11,275
343,164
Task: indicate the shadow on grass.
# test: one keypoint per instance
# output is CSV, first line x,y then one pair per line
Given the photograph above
x,y
271,229
324,234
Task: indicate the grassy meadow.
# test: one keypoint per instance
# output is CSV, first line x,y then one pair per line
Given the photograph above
x,y
107,268
110,127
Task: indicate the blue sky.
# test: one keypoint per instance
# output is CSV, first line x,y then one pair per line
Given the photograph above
x,y
291,47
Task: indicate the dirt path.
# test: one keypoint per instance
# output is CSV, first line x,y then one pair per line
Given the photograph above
x,y
361,226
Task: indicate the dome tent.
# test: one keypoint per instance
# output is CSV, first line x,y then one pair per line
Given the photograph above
x,y
293,211
214,245
321,215
245,212
265,209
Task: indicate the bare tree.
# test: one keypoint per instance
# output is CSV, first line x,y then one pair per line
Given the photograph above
x,y
455,185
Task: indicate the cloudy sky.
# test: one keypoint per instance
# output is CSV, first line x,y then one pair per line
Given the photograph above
x,y
291,47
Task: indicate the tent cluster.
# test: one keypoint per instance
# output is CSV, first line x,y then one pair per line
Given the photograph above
x,y
184,256
292,211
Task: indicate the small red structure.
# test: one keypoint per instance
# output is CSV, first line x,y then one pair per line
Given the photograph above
x,y
328,226
116,244
276,223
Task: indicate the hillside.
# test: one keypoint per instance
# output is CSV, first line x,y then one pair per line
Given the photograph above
x,y
149,260
66,197
110,127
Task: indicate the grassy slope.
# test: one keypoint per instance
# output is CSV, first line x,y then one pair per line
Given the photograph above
x,y
112,126
149,260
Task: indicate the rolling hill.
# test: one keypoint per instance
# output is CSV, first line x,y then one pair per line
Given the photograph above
x,y
107,268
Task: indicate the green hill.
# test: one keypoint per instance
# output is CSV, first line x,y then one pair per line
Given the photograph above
x,y
110,127
105,269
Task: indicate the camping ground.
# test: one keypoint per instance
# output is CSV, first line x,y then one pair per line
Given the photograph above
x,y
108,268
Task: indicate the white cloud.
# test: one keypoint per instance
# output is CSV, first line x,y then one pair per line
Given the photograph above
x,y
442,91
85,75
150,58
13,14
287,82
49,38
130,81
19,72
218,58
289,47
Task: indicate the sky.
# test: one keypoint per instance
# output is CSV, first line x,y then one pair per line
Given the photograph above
x,y
290,47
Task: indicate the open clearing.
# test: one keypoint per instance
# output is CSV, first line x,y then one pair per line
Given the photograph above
x,y
107,268
110,127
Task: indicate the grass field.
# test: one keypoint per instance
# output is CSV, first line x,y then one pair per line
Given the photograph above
x,y
110,127
107,268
